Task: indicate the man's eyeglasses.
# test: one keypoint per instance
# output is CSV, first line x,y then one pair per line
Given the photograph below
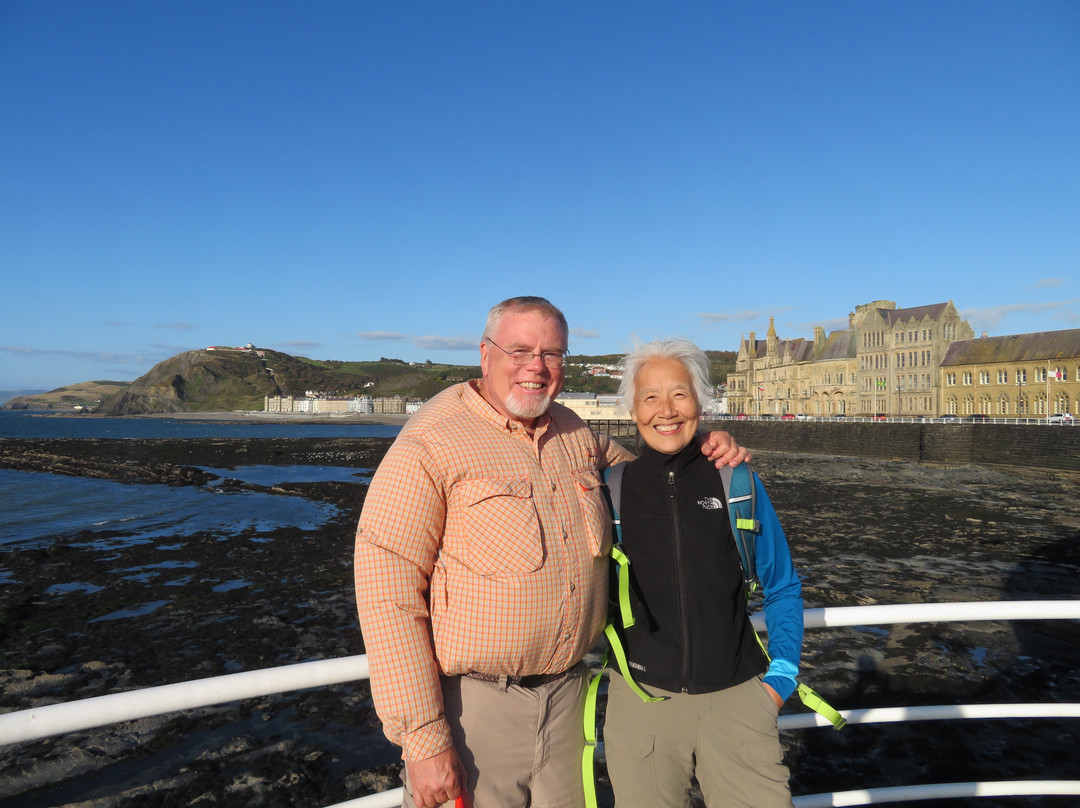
x,y
552,359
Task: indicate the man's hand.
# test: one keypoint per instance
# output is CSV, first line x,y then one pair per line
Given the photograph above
x,y
437,779
722,449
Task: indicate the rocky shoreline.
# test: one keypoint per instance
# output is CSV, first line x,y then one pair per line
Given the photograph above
x,y
862,531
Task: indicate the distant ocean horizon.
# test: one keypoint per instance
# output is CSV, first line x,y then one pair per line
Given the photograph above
x,y
37,508
43,424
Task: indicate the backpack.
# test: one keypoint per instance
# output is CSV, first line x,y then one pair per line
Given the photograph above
x,y
741,495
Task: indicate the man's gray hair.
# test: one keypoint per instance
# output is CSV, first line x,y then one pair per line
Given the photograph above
x,y
682,350
524,303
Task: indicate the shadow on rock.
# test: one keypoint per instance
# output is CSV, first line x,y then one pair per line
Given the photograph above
x,y
980,663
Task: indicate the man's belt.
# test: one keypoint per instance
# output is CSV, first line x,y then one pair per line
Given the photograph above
x,y
536,680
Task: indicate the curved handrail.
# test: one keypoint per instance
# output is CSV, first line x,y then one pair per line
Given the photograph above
x,y
55,719
935,791
966,612
940,712
41,722
873,796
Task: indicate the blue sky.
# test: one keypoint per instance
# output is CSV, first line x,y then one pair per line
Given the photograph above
x,y
350,180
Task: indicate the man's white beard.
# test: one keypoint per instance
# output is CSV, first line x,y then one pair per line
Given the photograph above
x,y
521,407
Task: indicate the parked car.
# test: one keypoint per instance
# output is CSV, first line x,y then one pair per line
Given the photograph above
x,y
787,416
766,415
839,415
978,417
879,417
741,416
802,416
949,418
1059,418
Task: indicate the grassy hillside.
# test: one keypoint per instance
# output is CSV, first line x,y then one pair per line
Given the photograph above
x,y
83,394
389,377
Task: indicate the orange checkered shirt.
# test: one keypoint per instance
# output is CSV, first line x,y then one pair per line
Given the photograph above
x,y
480,548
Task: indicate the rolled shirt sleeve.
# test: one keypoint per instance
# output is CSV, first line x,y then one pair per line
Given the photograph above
x,y
397,541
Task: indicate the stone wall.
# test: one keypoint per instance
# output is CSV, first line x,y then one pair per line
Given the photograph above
x,y
1033,446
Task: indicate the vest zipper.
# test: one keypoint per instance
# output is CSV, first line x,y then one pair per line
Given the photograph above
x,y
681,590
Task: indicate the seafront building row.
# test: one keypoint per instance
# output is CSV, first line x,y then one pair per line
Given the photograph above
x,y
317,403
923,361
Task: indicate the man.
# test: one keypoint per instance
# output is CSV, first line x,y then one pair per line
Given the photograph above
x,y
481,575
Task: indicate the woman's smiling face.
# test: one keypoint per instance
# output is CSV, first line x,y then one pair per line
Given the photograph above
x,y
665,408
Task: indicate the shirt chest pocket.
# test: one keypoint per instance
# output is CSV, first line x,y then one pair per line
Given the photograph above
x,y
594,511
493,528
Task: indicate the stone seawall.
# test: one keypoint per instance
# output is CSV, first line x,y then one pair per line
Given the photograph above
x,y
1038,447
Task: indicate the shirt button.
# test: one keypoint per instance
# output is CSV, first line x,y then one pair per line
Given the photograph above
x,y
565,535
573,587
553,486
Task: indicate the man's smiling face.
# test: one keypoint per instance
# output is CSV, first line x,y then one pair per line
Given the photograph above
x,y
522,392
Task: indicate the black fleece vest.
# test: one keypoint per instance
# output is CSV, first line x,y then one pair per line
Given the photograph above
x,y
692,632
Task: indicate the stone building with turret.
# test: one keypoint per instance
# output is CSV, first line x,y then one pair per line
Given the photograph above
x,y
886,362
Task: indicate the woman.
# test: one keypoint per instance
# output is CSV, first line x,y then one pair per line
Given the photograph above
x,y
692,643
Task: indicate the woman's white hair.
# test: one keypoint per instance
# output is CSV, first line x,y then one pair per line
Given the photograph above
x,y
682,350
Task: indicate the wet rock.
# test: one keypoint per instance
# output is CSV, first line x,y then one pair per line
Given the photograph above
x,y
862,532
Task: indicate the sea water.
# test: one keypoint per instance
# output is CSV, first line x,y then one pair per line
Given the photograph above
x,y
37,508
21,424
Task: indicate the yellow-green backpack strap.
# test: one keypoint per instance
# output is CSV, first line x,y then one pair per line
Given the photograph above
x,y
811,699
588,774
620,656
588,754
626,614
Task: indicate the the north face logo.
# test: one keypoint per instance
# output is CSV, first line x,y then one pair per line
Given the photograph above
x,y
711,504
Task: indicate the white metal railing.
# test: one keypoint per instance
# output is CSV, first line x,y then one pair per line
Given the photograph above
x,y
55,719
976,418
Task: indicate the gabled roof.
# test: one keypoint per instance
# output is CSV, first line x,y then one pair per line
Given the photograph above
x,y
915,313
800,350
1042,345
838,345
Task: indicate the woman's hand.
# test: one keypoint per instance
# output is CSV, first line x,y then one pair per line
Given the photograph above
x,y
775,696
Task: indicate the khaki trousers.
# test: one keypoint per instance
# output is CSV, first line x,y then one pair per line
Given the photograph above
x,y
728,739
521,747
